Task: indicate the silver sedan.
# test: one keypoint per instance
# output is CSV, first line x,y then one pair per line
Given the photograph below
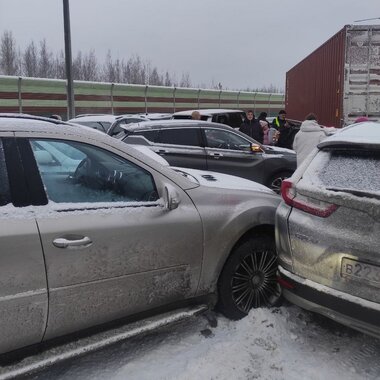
x,y
92,230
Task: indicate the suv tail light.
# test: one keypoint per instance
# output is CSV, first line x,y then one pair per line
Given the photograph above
x,y
309,205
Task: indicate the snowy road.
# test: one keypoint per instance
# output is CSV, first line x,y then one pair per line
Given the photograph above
x,y
283,343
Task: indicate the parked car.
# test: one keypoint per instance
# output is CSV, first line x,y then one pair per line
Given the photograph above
x,y
93,230
233,118
327,229
110,124
215,147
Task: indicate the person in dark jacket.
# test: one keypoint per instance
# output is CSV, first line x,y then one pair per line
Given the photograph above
x,y
263,116
252,127
280,120
286,132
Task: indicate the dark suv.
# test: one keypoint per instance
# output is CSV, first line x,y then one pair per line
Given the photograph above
x,y
214,147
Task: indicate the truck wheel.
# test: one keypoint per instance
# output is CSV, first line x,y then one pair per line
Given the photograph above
x,y
275,181
248,279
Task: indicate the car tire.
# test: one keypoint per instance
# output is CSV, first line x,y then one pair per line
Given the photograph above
x,y
275,180
248,279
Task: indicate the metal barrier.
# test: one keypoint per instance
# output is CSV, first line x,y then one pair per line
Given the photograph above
x,y
48,96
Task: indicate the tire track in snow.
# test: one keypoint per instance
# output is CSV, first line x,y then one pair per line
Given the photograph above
x,y
364,361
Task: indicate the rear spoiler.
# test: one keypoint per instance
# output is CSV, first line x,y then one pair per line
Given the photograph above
x,y
350,145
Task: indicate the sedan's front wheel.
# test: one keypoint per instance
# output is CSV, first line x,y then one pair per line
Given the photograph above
x,y
248,279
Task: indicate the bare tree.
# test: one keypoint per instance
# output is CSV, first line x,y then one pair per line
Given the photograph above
x,y
45,61
168,81
154,78
90,67
185,80
8,54
29,61
112,70
135,71
77,66
60,66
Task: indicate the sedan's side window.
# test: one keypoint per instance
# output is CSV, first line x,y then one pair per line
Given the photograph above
x,y
217,138
180,136
90,174
4,184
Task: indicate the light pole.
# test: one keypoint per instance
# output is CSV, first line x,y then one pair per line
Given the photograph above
x,y
68,59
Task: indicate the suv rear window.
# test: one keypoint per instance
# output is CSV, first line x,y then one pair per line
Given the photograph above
x,y
346,170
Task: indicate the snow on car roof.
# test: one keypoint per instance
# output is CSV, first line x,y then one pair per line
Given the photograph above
x,y
367,133
172,123
206,112
108,118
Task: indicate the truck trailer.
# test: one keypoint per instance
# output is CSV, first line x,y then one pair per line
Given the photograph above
x,y
340,80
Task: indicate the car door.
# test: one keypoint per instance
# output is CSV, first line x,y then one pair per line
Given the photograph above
x,y
182,147
111,247
23,287
229,153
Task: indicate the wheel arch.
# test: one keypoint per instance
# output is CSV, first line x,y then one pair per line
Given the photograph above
x,y
258,230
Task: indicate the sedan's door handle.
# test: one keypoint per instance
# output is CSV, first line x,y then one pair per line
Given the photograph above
x,y
216,154
162,151
72,241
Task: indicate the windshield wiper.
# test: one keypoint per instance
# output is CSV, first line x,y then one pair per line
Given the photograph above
x,y
359,193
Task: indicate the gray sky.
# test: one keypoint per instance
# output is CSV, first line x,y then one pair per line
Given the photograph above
x,y
239,43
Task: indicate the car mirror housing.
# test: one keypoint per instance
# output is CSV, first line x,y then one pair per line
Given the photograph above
x,y
256,148
171,198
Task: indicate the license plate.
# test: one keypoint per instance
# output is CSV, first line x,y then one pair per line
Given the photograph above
x,y
360,270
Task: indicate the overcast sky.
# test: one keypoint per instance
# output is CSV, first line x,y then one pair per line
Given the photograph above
x,y
240,43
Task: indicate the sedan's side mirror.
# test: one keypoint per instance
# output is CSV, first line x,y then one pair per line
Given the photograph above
x,y
171,198
256,148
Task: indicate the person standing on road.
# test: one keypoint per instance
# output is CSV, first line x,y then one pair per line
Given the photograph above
x,y
252,127
285,135
309,136
280,120
267,135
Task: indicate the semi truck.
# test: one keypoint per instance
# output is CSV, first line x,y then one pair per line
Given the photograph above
x,y
340,80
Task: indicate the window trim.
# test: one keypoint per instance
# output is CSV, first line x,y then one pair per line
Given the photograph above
x,y
96,205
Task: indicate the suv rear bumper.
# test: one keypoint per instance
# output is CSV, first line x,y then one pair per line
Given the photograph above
x,y
344,308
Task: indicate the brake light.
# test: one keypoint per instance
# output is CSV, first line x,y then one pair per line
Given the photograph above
x,y
314,207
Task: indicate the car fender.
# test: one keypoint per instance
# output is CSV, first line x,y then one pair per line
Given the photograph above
x,y
226,220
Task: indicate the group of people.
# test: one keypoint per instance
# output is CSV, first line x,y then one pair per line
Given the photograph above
x,y
282,134
279,132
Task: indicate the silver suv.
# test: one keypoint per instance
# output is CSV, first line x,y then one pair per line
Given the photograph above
x,y
92,230
327,229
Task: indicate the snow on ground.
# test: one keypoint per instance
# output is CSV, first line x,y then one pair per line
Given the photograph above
x,y
281,343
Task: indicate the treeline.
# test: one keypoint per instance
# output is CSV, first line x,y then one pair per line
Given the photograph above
x,y
38,60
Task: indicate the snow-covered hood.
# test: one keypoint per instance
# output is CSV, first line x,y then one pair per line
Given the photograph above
x,y
220,180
